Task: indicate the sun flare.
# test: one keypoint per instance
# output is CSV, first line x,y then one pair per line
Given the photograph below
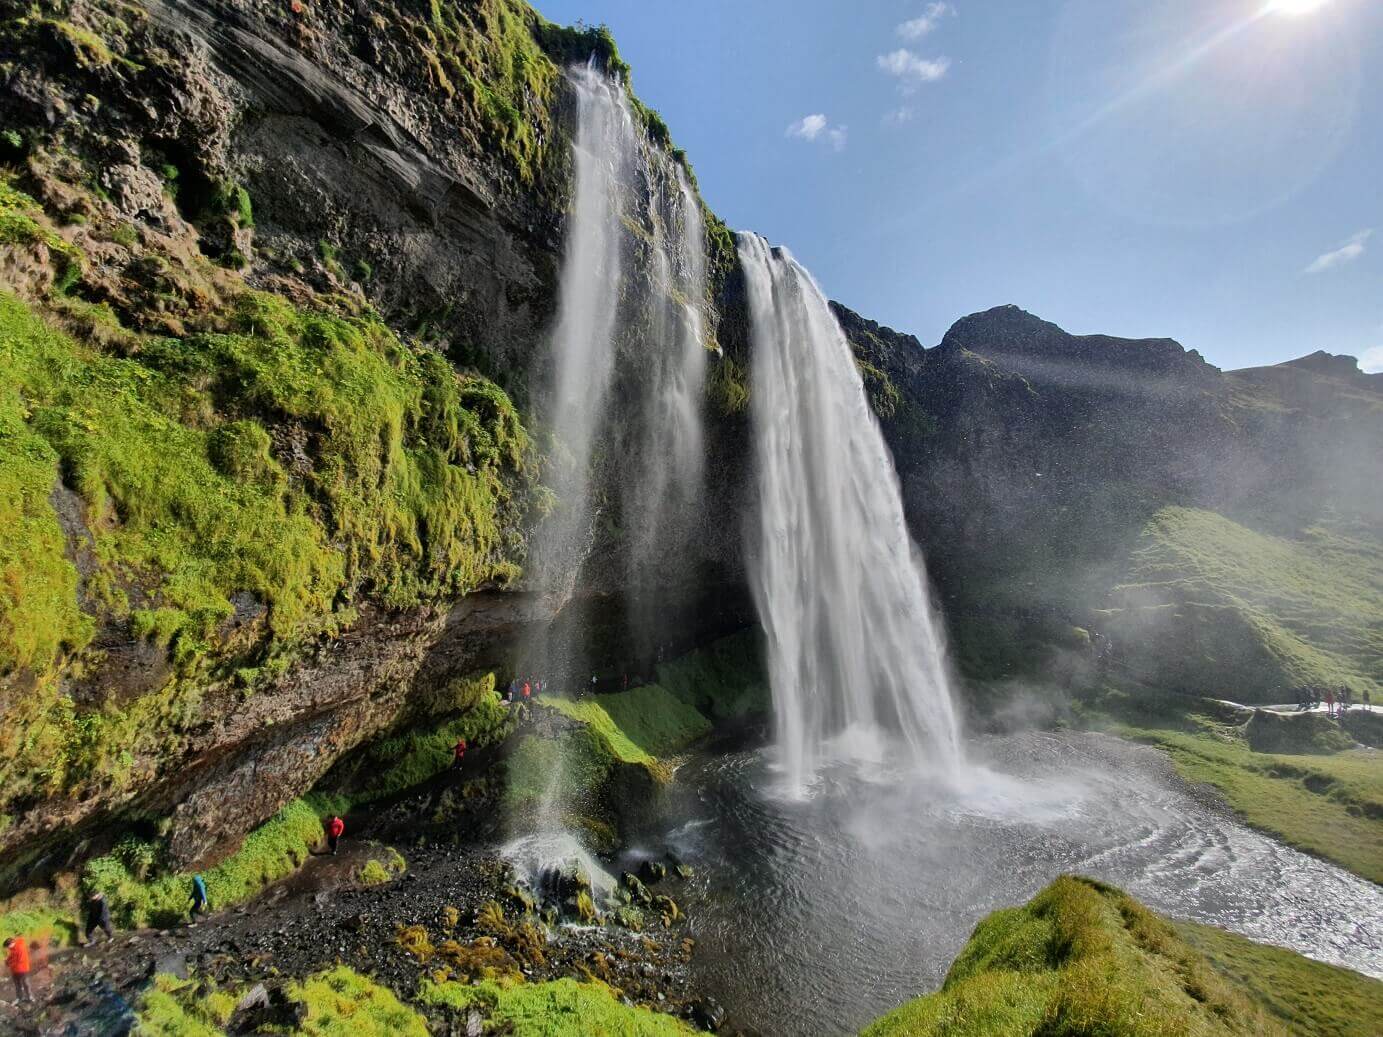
x,y
1296,8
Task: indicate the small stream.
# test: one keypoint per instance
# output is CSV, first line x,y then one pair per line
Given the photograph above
x,y
815,916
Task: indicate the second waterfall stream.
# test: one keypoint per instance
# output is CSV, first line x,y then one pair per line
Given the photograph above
x,y
856,659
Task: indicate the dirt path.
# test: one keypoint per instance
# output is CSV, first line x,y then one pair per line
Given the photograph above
x,y
321,916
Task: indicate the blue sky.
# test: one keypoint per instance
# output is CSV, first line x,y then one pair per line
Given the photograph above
x,y
1208,170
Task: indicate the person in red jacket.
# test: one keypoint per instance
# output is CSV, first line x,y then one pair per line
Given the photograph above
x,y
17,959
458,754
335,829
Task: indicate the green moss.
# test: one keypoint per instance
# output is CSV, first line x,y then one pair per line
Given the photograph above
x,y
272,851
638,725
342,1003
724,681
411,757
374,873
562,1008
173,1007
407,489
1082,958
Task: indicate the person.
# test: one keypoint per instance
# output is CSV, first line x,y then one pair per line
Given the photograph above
x,y
97,916
527,691
199,900
1366,698
458,753
335,829
1329,702
17,959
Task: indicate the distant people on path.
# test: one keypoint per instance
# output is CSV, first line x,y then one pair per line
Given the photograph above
x,y
1366,698
335,829
1329,702
17,961
200,903
97,917
458,754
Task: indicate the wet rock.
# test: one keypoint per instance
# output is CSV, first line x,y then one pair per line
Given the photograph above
x,y
173,964
652,871
638,892
668,908
707,1014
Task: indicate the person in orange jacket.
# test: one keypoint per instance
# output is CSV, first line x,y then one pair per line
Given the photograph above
x,y
458,754
335,829
17,959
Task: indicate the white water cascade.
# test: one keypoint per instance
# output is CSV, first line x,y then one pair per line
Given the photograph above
x,y
856,657
622,396
584,341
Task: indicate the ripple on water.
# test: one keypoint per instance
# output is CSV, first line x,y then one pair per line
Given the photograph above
x,y
815,915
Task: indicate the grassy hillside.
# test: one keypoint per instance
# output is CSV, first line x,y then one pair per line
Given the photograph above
x,y
1084,958
1214,607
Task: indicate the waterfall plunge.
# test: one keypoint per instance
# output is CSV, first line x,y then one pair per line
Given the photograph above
x,y
853,647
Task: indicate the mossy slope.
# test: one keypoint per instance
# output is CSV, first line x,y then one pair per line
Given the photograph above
x,y
1084,958
290,467
1212,606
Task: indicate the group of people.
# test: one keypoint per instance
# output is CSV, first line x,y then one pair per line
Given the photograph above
x,y
20,958
1336,702
524,689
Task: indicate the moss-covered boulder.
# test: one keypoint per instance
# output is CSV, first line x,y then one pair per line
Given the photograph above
x,y
1083,958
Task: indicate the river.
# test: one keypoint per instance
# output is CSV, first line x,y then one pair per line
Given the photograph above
x,y
814,916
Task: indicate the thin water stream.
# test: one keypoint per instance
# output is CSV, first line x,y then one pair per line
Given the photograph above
x,y
815,916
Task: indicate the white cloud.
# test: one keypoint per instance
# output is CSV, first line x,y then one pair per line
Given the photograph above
x,y
818,127
916,28
899,116
912,71
1346,253
809,127
1372,361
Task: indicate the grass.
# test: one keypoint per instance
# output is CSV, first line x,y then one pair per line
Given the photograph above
x,y
1311,999
561,1008
41,922
1213,607
1329,804
1083,958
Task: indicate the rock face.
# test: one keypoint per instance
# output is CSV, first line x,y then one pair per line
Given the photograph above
x,y
1128,487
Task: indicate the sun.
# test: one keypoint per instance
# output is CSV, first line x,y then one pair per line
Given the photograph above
x,y
1296,8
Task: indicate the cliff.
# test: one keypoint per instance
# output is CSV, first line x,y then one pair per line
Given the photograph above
x,y
1219,529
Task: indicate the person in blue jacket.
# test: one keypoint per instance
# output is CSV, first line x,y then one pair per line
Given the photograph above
x,y
199,900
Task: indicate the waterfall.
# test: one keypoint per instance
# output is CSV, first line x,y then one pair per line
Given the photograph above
x,y
854,650
621,399
584,341
661,501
